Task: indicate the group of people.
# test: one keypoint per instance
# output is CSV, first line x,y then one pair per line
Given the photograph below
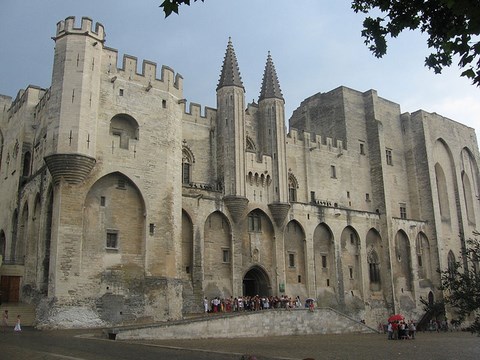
x,y
400,330
252,303
17,327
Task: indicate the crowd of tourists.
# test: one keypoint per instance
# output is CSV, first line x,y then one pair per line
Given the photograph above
x,y
253,303
401,330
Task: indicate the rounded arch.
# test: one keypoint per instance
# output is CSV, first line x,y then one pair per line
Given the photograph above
x,y
108,228
403,261
256,282
126,127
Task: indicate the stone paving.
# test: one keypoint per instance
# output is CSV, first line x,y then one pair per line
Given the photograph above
x,y
450,345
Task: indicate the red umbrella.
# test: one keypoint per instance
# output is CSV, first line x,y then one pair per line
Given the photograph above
x,y
396,317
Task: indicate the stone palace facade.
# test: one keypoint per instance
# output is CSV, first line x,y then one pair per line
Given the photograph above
x,y
122,203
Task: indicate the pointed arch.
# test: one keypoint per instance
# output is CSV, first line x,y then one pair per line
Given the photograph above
x,y
468,198
424,260
294,240
187,164
250,144
259,240
451,261
256,282
350,259
292,187
324,256
1,149
403,261
45,243
217,255
3,244
108,228
442,192
374,246
26,161
187,245
22,235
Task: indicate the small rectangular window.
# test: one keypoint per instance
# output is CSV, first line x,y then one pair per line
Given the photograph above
x,y
121,184
350,272
226,255
388,153
420,260
152,228
328,282
362,148
102,200
120,92
112,239
299,277
291,260
312,196
367,197
403,211
164,104
348,194
324,261
333,171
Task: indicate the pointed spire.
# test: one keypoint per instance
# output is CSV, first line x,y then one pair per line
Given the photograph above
x,y
270,84
230,75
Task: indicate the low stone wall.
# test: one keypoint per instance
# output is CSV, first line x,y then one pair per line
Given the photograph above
x,y
249,324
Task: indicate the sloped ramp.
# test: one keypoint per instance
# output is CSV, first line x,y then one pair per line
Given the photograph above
x,y
278,322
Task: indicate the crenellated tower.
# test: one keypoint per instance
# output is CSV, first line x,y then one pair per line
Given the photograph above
x,y
75,88
271,138
231,133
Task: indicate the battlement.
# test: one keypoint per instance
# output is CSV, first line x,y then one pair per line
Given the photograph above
x,y
194,113
67,27
147,75
314,141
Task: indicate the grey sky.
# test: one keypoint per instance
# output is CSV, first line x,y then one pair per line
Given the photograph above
x,y
315,44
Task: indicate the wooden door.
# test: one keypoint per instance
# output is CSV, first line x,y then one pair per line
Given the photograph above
x,y
10,288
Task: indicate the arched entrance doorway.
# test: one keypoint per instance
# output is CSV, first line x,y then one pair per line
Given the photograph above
x,y
256,282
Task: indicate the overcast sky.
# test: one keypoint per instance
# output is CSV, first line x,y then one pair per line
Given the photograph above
x,y
316,46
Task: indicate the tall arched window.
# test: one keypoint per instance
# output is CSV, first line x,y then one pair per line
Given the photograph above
x,y
292,188
27,157
187,161
451,261
374,267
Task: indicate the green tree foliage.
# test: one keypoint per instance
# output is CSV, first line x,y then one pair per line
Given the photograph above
x,y
452,26
170,6
461,284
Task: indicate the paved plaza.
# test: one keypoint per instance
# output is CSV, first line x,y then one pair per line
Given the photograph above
x,y
450,345
90,345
